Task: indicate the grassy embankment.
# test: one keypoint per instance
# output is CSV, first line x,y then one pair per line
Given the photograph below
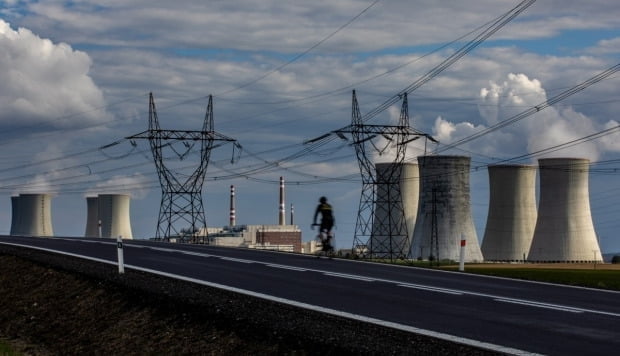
x,y
601,276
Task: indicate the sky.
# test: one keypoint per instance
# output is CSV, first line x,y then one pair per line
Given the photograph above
x,y
76,76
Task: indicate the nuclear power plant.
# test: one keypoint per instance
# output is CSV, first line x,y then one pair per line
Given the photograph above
x,y
444,212
31,215
426,215
512,213
564,230
395,209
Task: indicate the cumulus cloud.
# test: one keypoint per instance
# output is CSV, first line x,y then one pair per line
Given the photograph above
x,y
45,83
546,129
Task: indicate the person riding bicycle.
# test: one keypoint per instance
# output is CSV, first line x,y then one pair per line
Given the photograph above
x,y
327,219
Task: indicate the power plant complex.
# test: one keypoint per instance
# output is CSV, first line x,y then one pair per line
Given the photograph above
x,y
432,218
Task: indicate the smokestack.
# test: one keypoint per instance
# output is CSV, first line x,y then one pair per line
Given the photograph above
x,y
114,215
35,215
444,210
92,217
233,218
282,216
564,230
292,214
512,213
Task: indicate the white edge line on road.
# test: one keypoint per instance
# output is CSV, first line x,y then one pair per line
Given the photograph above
x,y
407,328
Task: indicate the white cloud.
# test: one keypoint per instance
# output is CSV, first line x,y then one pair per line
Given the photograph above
x,y
549,128
610,46
291,27
137,185
45,83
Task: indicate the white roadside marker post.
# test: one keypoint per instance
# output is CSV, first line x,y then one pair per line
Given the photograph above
x,y
121,263
462,260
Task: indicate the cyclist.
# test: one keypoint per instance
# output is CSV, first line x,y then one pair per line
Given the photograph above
x,y
327,221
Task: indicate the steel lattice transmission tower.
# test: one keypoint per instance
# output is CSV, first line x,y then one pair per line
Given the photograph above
x,y
380,229
181,213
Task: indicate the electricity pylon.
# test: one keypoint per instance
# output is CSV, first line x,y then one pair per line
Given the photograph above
x,y
181,212
381,229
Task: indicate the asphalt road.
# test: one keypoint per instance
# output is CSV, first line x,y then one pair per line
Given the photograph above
x,y
498,314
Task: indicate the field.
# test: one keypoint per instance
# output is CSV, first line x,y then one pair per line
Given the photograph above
x,y
603,276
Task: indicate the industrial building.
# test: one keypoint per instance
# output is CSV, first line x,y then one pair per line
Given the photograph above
x,y
279,237
444,212
395,209
564,230
512,213
31,215
264,237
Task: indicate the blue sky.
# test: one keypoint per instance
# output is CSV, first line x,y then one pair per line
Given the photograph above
x,y
76,76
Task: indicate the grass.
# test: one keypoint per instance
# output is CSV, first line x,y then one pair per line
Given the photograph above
x,y
600,276
592,278
6,349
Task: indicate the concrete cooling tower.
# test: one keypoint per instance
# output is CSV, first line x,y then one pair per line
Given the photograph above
x,y
512,213
113,211
444,211
14,215
92,217
395,209
564,230
32,214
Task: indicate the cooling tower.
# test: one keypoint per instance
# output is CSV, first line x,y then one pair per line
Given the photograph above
x,y
34,215
15,220
444,211
114,215
564,230
512,213
92,217
396,199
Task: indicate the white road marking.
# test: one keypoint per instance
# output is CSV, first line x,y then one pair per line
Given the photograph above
x,y
540,305
292,268
235,259
349,276
430,289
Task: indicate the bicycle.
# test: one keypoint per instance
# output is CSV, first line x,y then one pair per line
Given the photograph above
x,y
326,241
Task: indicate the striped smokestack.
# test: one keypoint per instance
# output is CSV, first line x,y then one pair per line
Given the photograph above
x,y
233,218
282,216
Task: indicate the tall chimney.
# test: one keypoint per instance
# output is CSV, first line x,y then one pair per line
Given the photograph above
x,y
233,218
292,214
282,216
